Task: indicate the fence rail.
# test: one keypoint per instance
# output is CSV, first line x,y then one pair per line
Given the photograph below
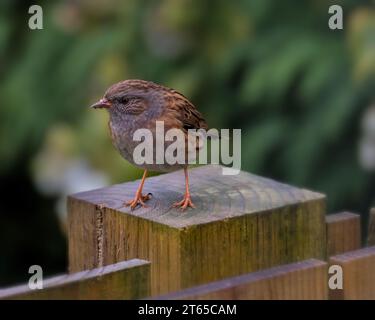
x,y
297,281
358,268
123,280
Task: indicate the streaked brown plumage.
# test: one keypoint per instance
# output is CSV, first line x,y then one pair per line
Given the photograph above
x,y
135,104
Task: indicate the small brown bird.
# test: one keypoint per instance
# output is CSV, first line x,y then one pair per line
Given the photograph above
x,y
135,104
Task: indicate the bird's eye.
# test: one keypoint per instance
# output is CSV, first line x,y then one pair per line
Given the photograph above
x,y
124,100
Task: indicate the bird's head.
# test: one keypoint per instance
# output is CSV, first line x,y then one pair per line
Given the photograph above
x,y
129,97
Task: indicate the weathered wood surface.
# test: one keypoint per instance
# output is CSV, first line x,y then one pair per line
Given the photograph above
x,y
306,280
358,275
371,228
343,232
124,280
242,223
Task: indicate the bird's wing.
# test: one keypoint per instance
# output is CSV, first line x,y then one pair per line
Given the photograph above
x,y
183,111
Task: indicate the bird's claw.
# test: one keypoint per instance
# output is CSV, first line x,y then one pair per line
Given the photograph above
x,y
138,199
184,203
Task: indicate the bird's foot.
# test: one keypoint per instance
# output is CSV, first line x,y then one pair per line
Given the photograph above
x,y
184,203
138,199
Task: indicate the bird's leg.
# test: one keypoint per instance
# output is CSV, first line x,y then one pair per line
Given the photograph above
x,y
186,201
139,198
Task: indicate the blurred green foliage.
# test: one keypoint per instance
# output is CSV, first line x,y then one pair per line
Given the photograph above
x,y
272,68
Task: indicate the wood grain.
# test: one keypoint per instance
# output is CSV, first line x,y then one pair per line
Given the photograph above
x,y
343,232
242,223
123,280
358,275
306,280
371,228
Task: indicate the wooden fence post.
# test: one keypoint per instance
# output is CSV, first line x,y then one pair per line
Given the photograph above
x,y
371,228
242,223
343,232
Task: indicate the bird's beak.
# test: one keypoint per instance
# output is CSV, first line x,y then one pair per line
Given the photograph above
x,y
102,103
